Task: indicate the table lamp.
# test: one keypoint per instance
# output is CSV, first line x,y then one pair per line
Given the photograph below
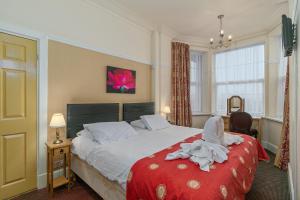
x,y
167,111
57,121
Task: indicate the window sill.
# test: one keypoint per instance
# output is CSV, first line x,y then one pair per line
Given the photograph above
x,y
278,120
201,114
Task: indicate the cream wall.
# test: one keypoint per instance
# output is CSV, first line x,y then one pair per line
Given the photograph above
x,y
198,121
271,134
82,22
165,71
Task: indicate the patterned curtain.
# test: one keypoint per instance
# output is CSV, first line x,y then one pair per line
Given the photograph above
x,y
282,156
180,106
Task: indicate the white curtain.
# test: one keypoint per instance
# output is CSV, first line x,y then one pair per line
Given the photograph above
x,y
195,82
282,64
240,72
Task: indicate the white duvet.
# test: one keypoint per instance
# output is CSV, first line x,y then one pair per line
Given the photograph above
x,y
114,160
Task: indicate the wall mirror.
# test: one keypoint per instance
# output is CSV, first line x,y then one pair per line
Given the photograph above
x,y
235,104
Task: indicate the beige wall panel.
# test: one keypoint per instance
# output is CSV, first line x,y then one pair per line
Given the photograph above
x,y
198,121
77,75
272,131
14,149
13,88
14,52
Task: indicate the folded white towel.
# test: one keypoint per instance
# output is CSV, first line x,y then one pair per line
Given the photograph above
x,y
214,130
230,139
200,152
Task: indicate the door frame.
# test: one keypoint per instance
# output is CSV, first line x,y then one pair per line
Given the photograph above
x,y
42,94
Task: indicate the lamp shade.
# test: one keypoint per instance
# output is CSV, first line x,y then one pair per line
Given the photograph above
x,y
167,110
57,120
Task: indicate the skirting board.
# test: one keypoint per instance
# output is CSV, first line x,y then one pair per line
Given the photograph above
x,y
291,185
269,146
42,178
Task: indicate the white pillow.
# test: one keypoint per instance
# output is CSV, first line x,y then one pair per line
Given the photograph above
x,y
155,122
85,133
138,123
83,146
106,132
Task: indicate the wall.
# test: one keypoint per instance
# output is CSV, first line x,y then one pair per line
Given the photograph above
x,y
271,129
82,22
165,70
77,75
198,121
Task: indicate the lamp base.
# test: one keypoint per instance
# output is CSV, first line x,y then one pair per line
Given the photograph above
x,y
57,141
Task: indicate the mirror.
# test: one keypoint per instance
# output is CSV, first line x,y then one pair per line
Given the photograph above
x,y
235,104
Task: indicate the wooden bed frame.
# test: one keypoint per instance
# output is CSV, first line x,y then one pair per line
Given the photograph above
x,y
79,114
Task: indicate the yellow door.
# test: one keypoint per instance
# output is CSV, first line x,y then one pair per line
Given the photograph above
x,y
18,122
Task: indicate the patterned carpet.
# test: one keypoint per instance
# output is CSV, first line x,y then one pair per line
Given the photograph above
x,y
270,184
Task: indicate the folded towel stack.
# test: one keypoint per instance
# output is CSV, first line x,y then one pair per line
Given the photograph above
x,y
200,152
209,150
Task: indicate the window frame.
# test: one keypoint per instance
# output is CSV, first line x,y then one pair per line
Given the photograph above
x,y
198,84
261,80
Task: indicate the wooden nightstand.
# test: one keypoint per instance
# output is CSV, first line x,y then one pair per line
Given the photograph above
x,y
58,156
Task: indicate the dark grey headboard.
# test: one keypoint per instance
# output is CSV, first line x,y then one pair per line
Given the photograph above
x,y
79,114
133,111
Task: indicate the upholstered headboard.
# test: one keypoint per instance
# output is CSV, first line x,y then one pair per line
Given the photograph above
x,y
133,111
79,114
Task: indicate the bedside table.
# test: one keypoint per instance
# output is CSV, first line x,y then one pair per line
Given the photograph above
x,y
58,156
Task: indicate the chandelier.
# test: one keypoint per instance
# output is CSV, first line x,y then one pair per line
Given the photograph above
x,y
222,43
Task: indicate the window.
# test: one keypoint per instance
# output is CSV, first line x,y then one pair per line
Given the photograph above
x,y
282,66
195,81
240,72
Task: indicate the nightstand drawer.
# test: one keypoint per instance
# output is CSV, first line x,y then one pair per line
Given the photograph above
x,y
59,152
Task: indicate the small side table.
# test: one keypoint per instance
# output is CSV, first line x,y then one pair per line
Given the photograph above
x,y
58,156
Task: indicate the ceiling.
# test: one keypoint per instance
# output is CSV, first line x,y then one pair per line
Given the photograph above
x,y
198,18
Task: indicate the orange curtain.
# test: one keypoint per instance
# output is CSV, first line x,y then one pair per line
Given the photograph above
x,y
180,106
282,156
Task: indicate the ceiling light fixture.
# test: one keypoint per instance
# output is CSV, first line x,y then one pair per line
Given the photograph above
x,y
222,43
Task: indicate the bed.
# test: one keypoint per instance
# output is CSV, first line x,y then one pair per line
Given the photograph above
x,y
79,114
142,170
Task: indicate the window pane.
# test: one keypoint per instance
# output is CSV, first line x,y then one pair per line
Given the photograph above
x,y
196,79
240,72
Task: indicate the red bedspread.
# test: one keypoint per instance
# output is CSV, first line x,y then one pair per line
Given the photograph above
x,y
155,178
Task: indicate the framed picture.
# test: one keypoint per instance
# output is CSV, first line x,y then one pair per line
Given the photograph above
x,y
119,80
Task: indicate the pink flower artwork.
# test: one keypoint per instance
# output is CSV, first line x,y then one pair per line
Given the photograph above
x,y
120,80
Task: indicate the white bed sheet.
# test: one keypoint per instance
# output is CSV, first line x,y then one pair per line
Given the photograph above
x,y
114,160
